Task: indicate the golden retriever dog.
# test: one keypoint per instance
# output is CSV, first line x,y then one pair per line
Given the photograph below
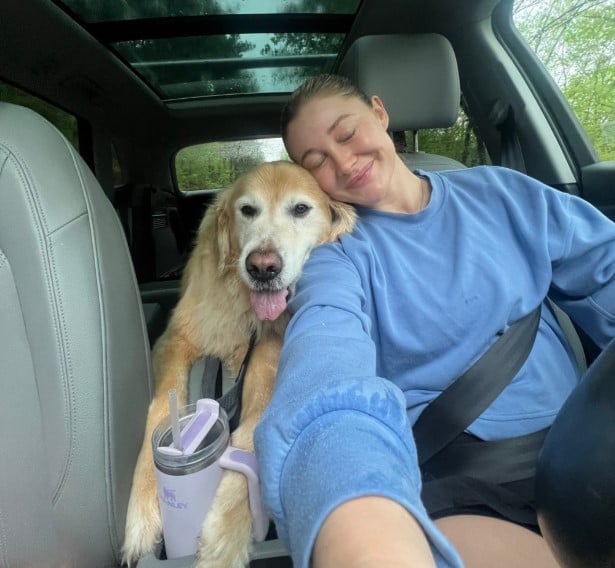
x,y
249,253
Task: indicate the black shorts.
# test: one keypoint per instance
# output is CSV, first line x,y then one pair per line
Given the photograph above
x,y
513,501
456,494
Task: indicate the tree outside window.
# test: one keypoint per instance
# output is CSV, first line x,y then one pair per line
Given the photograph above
x,y
575,41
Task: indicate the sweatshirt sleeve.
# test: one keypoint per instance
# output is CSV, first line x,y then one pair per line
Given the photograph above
x,y
334,430
579,241
583,264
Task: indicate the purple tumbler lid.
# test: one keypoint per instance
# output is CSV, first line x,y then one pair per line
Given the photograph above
x,y
204,435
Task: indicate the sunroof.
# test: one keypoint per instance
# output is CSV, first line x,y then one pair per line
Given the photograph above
x,y
106,11
230,64
202,48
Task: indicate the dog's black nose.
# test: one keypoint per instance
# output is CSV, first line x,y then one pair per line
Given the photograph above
x,y
263,265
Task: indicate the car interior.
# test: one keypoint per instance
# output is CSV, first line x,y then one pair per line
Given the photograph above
x,y
94,231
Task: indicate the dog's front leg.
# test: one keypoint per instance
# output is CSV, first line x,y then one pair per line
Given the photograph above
x,y
227,532
173,357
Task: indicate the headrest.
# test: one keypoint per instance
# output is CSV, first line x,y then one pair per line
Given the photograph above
x,y
416,77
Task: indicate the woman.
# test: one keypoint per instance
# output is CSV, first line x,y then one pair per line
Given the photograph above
x,y
438,266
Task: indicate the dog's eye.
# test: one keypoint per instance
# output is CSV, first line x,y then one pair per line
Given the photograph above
x,y
301,210
248,211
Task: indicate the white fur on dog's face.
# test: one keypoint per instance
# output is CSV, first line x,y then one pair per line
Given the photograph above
x,y
288,219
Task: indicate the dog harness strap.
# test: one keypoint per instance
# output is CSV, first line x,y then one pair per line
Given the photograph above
x,y
231,400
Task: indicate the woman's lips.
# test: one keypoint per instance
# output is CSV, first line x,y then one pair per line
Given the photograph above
x,y
361,178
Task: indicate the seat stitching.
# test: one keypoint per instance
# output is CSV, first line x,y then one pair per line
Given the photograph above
x,y
59,324
104,366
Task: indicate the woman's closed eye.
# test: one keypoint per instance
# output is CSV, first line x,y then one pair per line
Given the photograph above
x,y
345,136
314,161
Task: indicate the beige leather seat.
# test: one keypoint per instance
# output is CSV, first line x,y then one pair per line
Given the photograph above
x,y
74,355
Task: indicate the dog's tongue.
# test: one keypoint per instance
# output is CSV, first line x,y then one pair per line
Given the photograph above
x,y
268,305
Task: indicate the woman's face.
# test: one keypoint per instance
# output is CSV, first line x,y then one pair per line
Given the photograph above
x,y
344,144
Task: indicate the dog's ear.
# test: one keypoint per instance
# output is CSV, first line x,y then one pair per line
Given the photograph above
x,y
343,218
224,222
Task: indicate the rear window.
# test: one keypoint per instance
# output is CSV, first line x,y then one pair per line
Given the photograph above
x,y
215,165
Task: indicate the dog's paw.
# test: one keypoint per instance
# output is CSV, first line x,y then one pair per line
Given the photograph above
x,y
143,523
226,537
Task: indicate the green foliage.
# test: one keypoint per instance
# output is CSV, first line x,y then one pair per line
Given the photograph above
x,y
575,40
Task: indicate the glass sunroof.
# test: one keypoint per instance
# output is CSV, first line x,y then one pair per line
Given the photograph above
x,y
201,48
107,11
230,64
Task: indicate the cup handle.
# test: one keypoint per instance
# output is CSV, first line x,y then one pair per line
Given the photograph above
x,y
246,463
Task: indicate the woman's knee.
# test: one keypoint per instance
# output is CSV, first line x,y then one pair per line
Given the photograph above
x,y
486,542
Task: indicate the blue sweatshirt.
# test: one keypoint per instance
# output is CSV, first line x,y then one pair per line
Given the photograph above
x,y
387,318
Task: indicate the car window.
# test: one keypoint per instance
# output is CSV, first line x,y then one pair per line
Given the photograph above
x,y
460,141
62,120
575,41
215,165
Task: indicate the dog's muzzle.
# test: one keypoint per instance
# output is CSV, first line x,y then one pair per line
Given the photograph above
x,y
264,267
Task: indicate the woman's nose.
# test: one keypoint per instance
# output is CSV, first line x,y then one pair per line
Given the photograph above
x,y
344,160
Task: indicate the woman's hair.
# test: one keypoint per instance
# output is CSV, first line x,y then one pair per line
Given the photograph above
x,y
318,86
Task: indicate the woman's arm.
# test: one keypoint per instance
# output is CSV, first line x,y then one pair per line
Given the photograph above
x,y
584,273
335,432
371,532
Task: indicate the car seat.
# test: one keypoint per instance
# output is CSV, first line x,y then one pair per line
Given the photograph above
x,y
74,355
417,78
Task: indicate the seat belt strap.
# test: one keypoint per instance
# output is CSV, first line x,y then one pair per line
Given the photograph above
x,y
211,380
566,325
212,385
502,116
469,396
496,461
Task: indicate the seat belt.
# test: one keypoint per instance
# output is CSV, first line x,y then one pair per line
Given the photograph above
x,y
212,385
450,413
212,378
496,461
502,116
566,325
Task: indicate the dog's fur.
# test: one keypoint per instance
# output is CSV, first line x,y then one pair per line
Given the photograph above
x,y
267,221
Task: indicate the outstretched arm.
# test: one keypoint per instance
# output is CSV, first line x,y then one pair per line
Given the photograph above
x,y
337,436
371,532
